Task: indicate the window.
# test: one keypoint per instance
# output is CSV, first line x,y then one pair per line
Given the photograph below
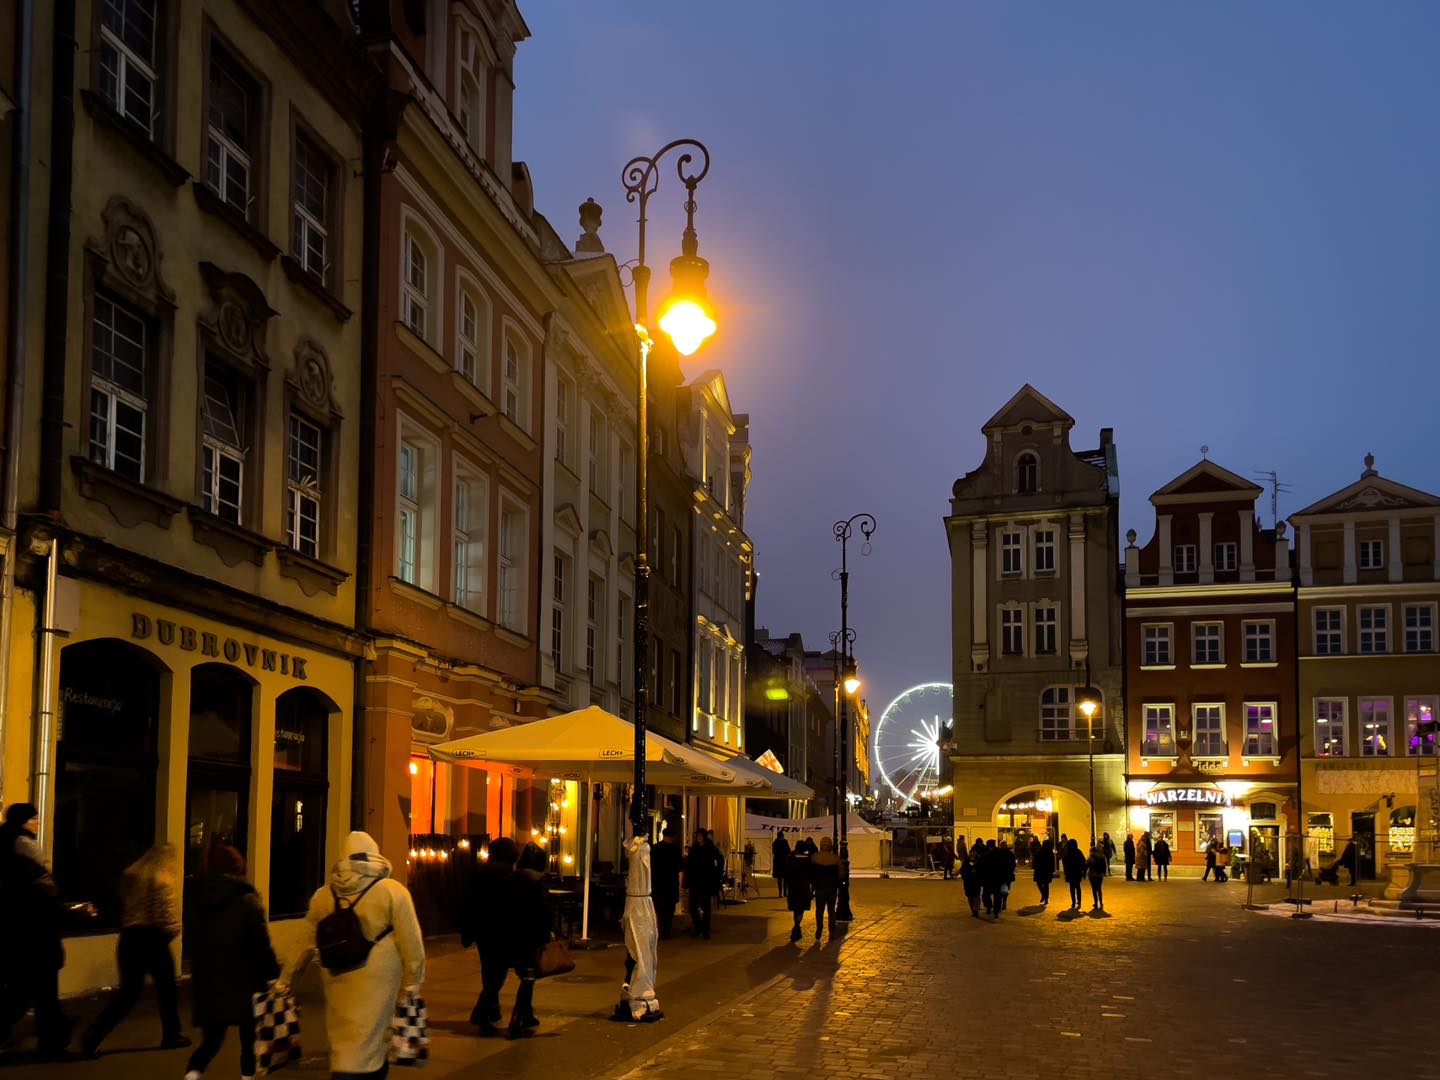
x,y
303,448
675,542
1010,553
1225,556
1329,631
1157,646
1057,713
217,796
594,614
514,533
513,389
599,474
1375,729
1206,640
127,60
1374,629
627,471
1159,738
468,541
1209,829
564,406
1044,551
232,116
622,620
1044,630
1259,730
1209,731
415,285
470,121
470,92
297,819
557,615
1184,558
1259,642
1420,725
706,703
119,381
469,331
222,472
677,676
407,559
1027,474
1419,628
310,229
657,669
1372,554
1330,727
1012,632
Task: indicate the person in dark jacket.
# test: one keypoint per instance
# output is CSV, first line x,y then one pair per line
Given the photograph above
x,y
1095,869
805,846
1129,857
798,885
1162,860
779,853
1074,865
667,862
485,924
231,959
991,874
1107,848
970,878
825,878
717,857
1007,873
527,922
701,883
1209,860
1042,864
32,921
1349,860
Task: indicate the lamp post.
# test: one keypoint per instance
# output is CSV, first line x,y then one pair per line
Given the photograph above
x,y
1088,702
843,531
687,318
840,646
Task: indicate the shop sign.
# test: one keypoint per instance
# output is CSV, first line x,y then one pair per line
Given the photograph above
x,y
166,632
1188,796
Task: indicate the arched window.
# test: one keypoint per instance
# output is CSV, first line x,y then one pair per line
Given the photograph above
x,y
297,816
218,783
1057,713
419,280
106,766
515,383
1027,474
472,334
471,98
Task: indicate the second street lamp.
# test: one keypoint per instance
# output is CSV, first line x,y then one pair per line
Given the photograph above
x,y
1088,702
843,531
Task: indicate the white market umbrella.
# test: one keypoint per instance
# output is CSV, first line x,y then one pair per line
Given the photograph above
x,y
780,785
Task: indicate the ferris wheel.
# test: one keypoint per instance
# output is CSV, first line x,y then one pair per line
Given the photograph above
x,y
907,738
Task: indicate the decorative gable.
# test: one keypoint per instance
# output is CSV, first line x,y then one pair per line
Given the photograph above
x,y
1028,406
1371,492
1207,478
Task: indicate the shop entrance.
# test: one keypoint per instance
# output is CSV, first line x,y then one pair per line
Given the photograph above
x,y
1040,814
1362,829
217,797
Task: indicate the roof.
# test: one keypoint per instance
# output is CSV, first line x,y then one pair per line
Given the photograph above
x,y
1204,478
1028,404
1371,492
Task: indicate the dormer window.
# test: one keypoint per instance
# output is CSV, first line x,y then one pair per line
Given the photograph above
x,y
1027,474
470,91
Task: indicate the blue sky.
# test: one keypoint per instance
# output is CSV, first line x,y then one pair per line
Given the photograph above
x,y
1195,223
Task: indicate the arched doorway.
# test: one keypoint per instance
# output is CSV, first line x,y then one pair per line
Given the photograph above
x,y
297,812
217,795
1042,812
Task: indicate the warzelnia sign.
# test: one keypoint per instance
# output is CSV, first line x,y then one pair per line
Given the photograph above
x,y
1188,796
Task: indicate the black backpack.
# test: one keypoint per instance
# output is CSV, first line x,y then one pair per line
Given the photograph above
x,y
341,940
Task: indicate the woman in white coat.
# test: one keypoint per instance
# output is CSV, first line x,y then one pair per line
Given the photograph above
x,y
360,1004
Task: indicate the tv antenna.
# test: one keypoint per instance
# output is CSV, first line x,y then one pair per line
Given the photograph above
x,y
1277,488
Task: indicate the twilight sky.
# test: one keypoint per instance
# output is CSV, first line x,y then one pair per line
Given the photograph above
x,y
1198,224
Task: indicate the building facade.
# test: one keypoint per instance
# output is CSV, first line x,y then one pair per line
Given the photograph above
x,y
1210,652
780,700
1035,613
1368,557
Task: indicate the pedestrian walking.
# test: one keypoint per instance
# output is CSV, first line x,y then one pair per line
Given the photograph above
x,y
1142,858
700,884
529,923
231,960
1107,848
1162,859
779,853
1224,860
1210,866
149,922
32,921
484,924
970,878
667,863
370,952
719,872
1096,871
825,877
1350,860
1007,873
1129,857
798,886
1074,865
1042,865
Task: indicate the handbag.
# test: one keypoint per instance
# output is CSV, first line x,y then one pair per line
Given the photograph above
x,y
553,958
410,1032
277,1030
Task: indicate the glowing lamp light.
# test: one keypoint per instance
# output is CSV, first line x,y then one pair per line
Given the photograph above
x,y
568,859
414,854
776,693
1087,700
444,855
534,833
689,325
463,844
414,769
484,854
852,683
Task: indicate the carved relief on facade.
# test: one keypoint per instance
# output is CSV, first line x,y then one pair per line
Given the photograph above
x,y
235,314
129,252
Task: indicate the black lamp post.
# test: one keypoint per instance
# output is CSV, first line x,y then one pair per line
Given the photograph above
x,y
687,318
1088,700
843,531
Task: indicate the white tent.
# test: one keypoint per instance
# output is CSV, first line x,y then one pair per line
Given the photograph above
x,y
869,844
589,744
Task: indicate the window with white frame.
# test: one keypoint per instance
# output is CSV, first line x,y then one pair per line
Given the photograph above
x,y
472,329
1330,727
1207,643
314,177
514,395
1225,556
470,110
1012,631
470,91
468,540
120,372
1156,638
1057,714
594,619
304,450
557,613
1260,729
1184,558
1374,628
1421,734
599,467
1011,553
233,110
223,444
416,282
1044,630
1209,730
513,537
1376,729
1329,631
1372,554
408,539
128,64
1419,628
1044,550
1027,474
1259,641
1159,738
564,417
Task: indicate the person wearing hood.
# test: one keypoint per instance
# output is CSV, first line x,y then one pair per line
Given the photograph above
x,y
484,923
527,927
360,1002
150,921
32,920
228,943
825,876
798,885
779,852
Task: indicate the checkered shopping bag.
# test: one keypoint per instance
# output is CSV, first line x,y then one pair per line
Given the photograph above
x,y
277,1030
410,1037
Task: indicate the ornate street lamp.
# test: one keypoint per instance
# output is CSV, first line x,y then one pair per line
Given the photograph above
x,y
1088,700
843,531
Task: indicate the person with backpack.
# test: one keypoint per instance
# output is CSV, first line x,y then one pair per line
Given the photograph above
x,y
362,926
228,943
483,923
